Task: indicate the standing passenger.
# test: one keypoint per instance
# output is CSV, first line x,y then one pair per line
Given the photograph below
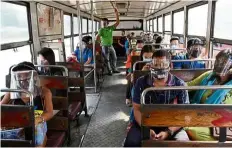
x,y
106,35
122,40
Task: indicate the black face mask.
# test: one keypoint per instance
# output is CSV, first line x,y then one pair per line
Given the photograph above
x,y
159,74
195,53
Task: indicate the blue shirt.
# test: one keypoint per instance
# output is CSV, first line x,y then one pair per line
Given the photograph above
x,y
87,53
160,97
126,45
187,65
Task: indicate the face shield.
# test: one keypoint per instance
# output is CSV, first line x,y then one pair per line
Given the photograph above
x,y
195,50
160,68
222,66
25,80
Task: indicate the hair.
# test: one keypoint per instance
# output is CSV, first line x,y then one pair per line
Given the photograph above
x,y
158,41
155,35
105,19
146,48
24,66
48,54
162,53
139,41
86,39
124,31
174,38
194,41
132,33
225,53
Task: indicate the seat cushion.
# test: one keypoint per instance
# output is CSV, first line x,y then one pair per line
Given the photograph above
x,y
73,109
55,138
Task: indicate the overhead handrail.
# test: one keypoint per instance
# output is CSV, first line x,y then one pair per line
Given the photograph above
x,y
138,62
55,66
20,91
215,87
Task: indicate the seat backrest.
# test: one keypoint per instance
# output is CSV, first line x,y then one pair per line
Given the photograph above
x,y
59,87
135,59
184,74
72,66
171,115
18,116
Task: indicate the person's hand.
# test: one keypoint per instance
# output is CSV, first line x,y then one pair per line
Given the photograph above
x,y
37,120
152,134
162,135
146,67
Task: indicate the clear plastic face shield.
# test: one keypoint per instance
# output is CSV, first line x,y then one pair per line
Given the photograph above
x,y
160,68
147,56
195,51
42,61
25,80
222,66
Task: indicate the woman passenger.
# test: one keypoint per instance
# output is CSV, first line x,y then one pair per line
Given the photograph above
x,y
25,77
220,75
46,56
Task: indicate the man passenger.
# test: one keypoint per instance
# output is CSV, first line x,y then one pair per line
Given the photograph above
x,y
194,49
106,35
159,77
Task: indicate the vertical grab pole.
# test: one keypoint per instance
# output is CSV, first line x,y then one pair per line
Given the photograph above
x,y
80,32
94,50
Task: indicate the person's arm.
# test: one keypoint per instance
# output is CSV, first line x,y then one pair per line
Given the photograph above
x,y
199,79
120,43
117,17
48,107
90,57
6,99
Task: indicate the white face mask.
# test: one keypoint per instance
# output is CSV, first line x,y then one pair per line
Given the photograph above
x,y
173,46
146,59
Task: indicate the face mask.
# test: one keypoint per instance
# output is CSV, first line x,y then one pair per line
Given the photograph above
x,y
159,74
173,47
83,46
147,59
195,51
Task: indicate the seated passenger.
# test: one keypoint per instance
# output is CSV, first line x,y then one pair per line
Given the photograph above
x,y
155,36
158,41
87,51
145,55
221,75
46,56
194,49
159,77
139,44
25,77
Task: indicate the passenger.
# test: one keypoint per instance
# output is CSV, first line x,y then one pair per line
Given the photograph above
x,y
46,56
87,54
194,49
174,44
155,36
159,77
220,75
142,35
145,55
106,35
158,41
127,44
122,40
139,44
25,77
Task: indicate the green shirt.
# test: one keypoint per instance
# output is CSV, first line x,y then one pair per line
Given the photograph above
x,y
106,35
197,82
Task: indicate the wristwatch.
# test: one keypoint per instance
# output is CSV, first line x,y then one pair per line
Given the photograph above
x,y
170,132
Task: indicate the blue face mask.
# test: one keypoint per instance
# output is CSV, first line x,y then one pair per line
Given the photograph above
x,y
173,46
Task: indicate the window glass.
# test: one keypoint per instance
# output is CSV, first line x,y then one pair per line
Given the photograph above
x,y
223,21
97,26
76,41
178,22
75,25
67,25
154,25
167,38
160,24
90,25
148,26
197,20
57,56
151,27
167,22
16,56
84,25
94,26
14,23
67,44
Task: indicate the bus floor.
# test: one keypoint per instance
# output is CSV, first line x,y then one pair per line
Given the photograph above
x,y
109,116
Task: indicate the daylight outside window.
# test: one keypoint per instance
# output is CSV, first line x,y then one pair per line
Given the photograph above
x,y
178,22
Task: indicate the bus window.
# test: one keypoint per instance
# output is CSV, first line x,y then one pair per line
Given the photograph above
x,y
11,57
197,20
154,25
223,22
217,47
76,41
75,25
90,26
167,22
151,26
67,25
160,24
94,26
14,23
84,25
67,43
178,22
148,26
98,26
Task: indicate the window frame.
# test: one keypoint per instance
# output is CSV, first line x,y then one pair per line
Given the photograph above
x,y
69,14
161,16
167,32
173,32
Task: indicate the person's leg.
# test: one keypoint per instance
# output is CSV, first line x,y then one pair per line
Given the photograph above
x,y
181,136
114,59
133,138
128,93
106,54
